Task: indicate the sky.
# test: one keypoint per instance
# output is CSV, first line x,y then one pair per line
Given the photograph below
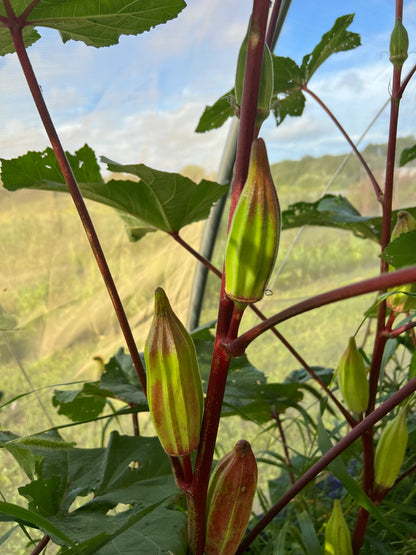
x,y
140,101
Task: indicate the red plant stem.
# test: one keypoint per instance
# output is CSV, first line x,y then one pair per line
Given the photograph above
x,y
15,27
398,331
135,422
366,424
249,98
376,187
198,490
195,253
276,417
41,545
226,323
380,338
400,277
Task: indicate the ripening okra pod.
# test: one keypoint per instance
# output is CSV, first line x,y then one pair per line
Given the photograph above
x,y
390,451
230,497
352,378
400,302
253,238
337,534
174,387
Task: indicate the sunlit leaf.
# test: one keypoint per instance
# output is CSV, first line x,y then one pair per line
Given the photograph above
x,y
337,39
216,115
157,200
94,23
407,155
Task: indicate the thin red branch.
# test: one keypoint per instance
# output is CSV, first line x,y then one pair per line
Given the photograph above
x,y
400,277
289,465
76,196
376,187
41,545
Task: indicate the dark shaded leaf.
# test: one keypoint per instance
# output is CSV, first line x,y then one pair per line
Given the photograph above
x,y
247,392
302,376
94,23
10,512
402,251
216,115
331,211
78,405
337,39
120,377
407,155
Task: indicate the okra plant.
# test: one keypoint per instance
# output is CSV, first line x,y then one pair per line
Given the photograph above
x,y
352,489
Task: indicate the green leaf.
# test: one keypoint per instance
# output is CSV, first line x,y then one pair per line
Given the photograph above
x,y
402,251
331,211
94,23
42,495
337,39
40,170
407,155
247,393
216,115
291,105
26,459
302,376
309,536
159,200
339,469
120,378
8,512
78,405
287,75
161,531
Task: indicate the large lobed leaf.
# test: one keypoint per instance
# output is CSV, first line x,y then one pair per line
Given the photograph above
x,y
96,23
158,200
131,477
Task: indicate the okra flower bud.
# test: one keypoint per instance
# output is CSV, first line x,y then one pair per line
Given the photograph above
x,y
230,497
352,378
399,44
399,302
254,233
390,451
337,535
174,387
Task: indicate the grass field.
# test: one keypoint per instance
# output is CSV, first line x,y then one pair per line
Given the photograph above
x,y
55,315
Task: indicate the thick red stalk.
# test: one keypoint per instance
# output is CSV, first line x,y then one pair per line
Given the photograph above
x,y
196,494
248,110
380,338
15,25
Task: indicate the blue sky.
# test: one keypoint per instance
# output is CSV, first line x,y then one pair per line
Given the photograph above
x,y
140,101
